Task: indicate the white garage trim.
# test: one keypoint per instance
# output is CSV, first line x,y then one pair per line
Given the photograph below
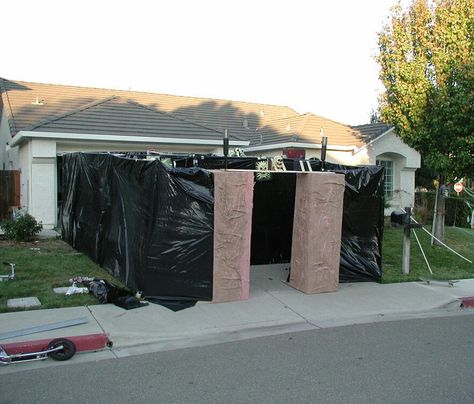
x,y
22,135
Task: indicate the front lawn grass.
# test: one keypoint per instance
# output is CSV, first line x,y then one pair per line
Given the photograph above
x,y
42,266
444,264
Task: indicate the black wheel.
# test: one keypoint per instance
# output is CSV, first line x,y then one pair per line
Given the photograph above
x,y
68,351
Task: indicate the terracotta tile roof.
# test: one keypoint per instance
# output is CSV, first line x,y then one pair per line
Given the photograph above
x,y
28,104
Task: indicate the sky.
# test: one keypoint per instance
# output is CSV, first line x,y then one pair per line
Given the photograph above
x,y
313,56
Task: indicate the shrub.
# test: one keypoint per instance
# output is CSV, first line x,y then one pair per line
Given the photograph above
x,y
24,227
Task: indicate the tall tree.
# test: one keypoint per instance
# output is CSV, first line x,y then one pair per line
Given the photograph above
x,y
426,58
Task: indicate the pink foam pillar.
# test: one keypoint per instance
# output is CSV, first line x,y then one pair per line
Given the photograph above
x,y
233,202
317,227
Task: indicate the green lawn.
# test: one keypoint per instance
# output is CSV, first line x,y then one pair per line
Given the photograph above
x,y
42,266
444,264
51,263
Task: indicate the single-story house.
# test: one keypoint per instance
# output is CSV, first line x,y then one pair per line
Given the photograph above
x,y
41,122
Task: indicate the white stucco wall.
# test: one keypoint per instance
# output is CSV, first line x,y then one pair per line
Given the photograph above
x,y
38,190
405,162
43,191
24,165
391,143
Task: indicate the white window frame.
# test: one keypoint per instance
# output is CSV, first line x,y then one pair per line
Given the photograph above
x,y
388,176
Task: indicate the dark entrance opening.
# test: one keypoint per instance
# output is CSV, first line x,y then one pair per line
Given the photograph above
x,y
272,219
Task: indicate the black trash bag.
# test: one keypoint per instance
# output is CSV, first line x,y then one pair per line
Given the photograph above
x,y
107,292
129,302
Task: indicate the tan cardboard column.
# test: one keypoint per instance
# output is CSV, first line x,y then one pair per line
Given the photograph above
x,y
233,202
317,226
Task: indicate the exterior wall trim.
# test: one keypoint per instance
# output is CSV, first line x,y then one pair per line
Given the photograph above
x,y
23,135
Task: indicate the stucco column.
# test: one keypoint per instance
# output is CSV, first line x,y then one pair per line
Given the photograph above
x,y
43,178
233,202
317,227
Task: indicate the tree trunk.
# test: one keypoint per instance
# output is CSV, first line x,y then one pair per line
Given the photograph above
x,y
439,213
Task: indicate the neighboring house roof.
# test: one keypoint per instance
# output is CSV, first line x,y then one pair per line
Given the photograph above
x,y
27,104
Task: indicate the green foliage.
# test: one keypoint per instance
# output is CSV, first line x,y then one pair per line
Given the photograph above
x,y
457,211
426,56
23,228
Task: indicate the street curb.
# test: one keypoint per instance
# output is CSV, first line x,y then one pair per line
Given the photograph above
x,y
467,302
83,343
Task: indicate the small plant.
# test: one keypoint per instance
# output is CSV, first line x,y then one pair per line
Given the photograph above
x,y
23,228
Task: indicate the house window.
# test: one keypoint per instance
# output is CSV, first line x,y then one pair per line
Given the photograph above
x,y
388,178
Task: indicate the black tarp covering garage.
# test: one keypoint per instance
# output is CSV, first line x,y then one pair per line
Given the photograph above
x,y
152,226
272,219
149,225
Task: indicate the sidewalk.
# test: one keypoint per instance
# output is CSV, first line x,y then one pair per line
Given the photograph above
x,y
273,308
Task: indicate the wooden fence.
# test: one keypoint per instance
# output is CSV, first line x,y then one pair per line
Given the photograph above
x,y
9,192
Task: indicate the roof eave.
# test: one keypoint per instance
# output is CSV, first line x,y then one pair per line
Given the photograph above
x,y
375,140
24,134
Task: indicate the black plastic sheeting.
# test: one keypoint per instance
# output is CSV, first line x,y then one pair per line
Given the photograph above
x,y
152,226
149,225
362,222
273,209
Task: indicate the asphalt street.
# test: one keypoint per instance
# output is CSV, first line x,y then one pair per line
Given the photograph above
x,y
411,361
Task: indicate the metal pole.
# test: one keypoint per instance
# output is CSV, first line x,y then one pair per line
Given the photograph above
x,y
406,245
226,147
324,145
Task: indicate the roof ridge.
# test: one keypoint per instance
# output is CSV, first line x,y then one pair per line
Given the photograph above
x,y
281,119
371,124
149,92
328,119
70,112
